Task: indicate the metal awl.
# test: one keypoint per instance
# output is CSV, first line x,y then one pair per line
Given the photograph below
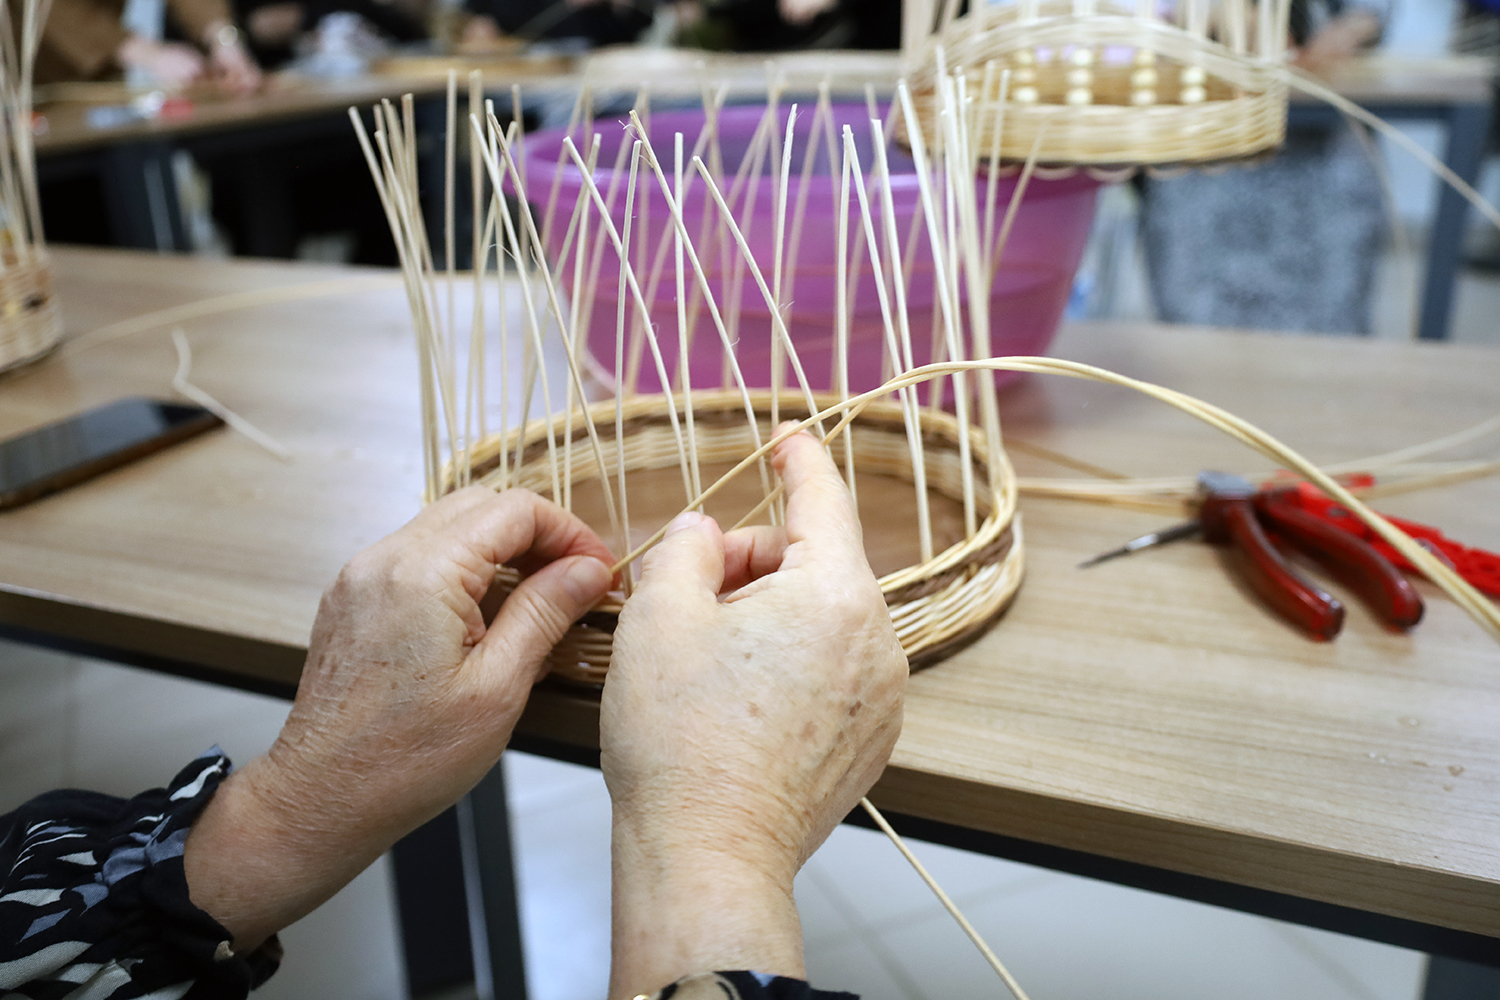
x,y
1187,529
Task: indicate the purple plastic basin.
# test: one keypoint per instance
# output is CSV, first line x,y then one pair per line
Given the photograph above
x,y
1030,290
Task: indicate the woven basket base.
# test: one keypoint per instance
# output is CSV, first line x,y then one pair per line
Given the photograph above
x,y
937,607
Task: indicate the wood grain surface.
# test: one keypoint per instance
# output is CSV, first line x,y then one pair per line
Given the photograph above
x,y
1147,709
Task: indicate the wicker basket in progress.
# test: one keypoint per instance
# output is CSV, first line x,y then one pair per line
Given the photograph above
x,y
1109,83
937,605
30,324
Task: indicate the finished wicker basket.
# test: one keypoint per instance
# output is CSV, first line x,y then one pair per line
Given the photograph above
x,y
1107,84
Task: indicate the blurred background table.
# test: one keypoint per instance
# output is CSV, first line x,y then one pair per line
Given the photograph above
x,y
275,159
1144,722
255,148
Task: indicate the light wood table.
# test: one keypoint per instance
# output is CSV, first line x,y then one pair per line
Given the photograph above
x,y
1145,717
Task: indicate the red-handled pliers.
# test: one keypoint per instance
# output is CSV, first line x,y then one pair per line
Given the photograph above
x,y
1234,513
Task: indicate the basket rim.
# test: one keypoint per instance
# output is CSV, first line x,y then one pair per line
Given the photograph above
x,y
997,484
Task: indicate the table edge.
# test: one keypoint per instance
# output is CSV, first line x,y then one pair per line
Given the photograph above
x,y
261,666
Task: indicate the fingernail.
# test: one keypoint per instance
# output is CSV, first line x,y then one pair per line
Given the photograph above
x,y
586,579
684,521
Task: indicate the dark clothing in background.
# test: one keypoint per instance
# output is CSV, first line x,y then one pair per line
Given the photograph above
x,y
607,23
82,36
757,26
1289,244
392,21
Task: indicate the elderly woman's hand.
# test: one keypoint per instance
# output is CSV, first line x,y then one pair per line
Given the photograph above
x,y
408,696
754,695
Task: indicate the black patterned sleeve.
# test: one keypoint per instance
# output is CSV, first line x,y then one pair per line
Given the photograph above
x,y
94,902
744,986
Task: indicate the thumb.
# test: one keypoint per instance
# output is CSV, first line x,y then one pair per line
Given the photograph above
x,y
539,611
691,556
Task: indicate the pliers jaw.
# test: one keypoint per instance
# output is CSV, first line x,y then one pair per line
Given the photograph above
x,y
1237,515
1229,520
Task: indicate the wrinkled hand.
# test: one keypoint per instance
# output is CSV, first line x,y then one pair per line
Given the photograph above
x,y
407,698
754,696
407,695
235,68
1338,41
172,64
800,12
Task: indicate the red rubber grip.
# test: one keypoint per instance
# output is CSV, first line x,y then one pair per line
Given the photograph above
x,y
1232,521
1354,561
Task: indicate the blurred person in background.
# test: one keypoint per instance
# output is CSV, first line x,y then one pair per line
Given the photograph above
x,y
96,39
1477,33
1289,244
772,25
276,27
496,23
725,25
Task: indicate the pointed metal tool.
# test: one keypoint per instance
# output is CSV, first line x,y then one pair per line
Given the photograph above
x,y
1185,530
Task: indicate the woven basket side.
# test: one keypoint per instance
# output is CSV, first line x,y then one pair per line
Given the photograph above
x,y
934,605
1103,88
30,321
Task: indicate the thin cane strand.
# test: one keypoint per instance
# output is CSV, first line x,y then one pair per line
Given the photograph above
x,y
1461,591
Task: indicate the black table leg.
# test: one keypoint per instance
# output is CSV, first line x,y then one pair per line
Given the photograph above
x,y
260,187
1451,979
140,197
456,892
490,890
434,923
1468,127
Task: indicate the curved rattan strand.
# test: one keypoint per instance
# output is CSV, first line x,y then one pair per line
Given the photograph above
x,y
935,605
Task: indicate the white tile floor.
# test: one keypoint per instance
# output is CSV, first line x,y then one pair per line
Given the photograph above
x,y
870,925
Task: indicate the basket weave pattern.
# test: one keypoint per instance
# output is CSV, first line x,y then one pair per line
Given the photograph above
x,y
1107,86
30,323
935,605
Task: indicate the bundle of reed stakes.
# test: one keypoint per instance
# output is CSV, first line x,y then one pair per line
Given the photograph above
x,y
29,321
955,586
